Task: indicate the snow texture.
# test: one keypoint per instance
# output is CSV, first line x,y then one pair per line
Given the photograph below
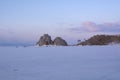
x,y
60,63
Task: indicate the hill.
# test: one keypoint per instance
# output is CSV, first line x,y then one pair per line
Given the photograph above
x,y
101,40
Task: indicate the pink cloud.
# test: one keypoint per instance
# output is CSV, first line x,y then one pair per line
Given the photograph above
x,y
90,26
111,24
94,27
88,23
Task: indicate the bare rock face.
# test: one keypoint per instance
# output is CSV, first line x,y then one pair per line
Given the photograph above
x,y
102,40
45,40
58,41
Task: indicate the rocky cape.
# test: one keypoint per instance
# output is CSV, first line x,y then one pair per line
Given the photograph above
x,y
101,40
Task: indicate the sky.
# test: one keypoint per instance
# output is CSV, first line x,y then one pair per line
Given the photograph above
x,y
24,21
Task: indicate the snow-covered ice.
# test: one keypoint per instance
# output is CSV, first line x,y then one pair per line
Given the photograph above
x,y
60,63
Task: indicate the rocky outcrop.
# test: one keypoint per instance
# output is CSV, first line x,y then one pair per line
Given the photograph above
x,y
45,40
102,40
59,42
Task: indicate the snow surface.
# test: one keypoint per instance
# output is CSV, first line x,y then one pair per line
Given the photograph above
x,y
60,63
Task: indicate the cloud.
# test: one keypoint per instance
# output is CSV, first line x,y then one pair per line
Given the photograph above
x,y
88,26
109,27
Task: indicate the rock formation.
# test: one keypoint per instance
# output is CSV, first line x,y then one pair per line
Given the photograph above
x,y
102,40
45,40
59,42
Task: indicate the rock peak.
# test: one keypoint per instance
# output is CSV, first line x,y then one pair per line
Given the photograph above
x,y
46,40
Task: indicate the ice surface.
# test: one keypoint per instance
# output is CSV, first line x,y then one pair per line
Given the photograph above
x,y
60,63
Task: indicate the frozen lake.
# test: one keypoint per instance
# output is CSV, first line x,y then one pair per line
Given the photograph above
x,y
60,63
